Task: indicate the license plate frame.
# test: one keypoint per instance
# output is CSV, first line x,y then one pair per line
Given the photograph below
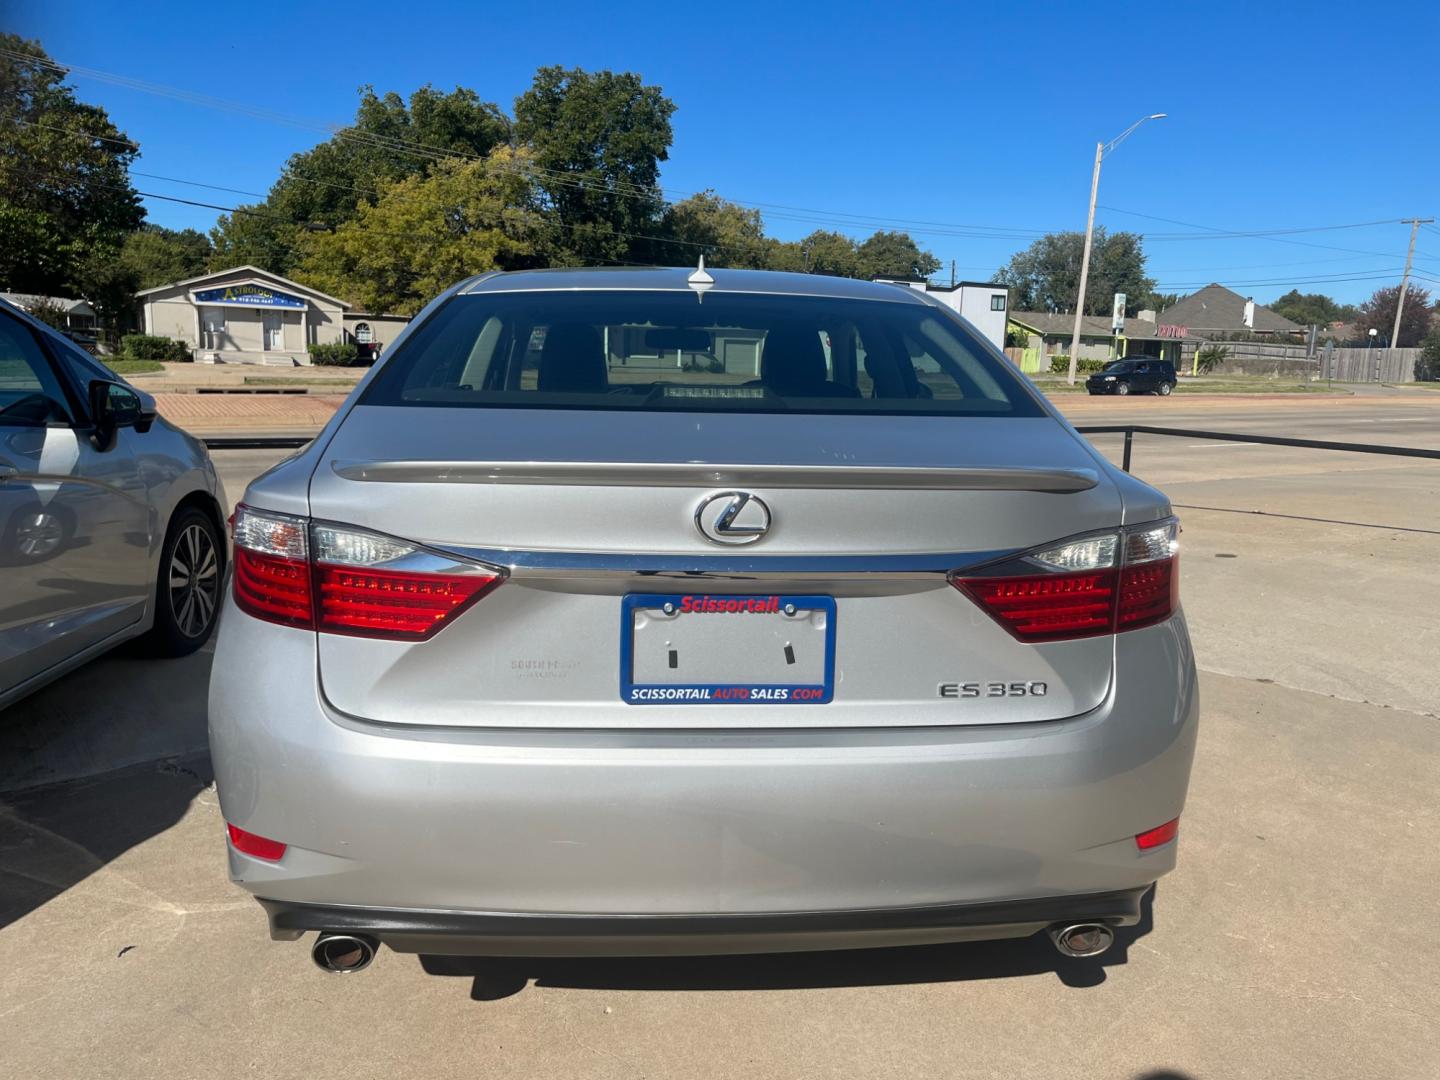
x,y
727,692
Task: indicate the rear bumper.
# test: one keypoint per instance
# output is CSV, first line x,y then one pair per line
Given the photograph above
x,y
645,823
471,933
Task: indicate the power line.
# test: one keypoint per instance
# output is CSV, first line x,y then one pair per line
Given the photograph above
x,y
250,211
1176,286
1272,239
624,189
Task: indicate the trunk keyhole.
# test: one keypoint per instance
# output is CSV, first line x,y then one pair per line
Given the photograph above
x,y
789,653
674,658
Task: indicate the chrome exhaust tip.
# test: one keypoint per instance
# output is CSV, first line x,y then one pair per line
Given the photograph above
x,y
1080,940
342,954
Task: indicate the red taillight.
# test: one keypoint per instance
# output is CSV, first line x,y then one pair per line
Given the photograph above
x,y
340,580
1101,584
410,607
1045,607
1158,836
1149,593
273,588
248,843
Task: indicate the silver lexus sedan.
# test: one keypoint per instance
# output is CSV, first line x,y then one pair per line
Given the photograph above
x,y
650,611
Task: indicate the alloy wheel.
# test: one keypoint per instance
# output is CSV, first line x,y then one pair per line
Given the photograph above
x,y
194,580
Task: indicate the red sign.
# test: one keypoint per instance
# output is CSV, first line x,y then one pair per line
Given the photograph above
x,y
1172,331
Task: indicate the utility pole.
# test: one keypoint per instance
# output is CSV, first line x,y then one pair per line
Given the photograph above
x,y
1414,224
952,273
1101,149
1085,263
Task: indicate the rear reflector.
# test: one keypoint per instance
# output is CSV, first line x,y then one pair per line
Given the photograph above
x,y
340,580
249,844
1158,836
1099,584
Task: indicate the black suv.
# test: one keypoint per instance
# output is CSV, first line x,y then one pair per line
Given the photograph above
x,y
1140,376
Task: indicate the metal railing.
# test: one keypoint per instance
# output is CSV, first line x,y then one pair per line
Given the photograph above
x,y
293,442
1131,430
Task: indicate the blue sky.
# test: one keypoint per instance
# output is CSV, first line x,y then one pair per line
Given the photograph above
x,y
979,120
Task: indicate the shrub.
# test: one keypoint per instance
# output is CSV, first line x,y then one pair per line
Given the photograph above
x,y
1209,356
48,312
152,347
1427,366
1060,365
337,354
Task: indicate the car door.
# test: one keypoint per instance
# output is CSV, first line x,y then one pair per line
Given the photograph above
x,y
75,528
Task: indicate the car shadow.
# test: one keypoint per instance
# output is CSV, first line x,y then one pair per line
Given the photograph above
x,y
99,761
125,708
493,978
53,837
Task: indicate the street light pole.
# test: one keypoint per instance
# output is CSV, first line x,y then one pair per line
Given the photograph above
x,y
1101,149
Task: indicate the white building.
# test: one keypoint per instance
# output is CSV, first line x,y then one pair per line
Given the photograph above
x,y
983,303
245,315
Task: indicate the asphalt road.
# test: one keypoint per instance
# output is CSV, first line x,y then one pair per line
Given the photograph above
x,y
1297,937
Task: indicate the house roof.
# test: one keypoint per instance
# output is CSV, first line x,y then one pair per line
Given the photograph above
x,y
67,304
245,268
1218,308
1049,324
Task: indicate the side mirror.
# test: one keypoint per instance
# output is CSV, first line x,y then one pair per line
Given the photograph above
x,y
114,406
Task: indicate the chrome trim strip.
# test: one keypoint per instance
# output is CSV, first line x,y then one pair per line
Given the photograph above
x,y
589,563
699,474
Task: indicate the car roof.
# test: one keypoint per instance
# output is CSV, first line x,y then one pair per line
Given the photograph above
x,y
677,279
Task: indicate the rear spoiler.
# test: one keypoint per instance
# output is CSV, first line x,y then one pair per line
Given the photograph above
x,y
655,474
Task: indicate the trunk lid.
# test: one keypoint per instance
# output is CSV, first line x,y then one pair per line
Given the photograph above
x,y
585,508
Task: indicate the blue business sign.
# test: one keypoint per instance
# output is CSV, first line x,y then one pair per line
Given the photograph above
x,y
249,296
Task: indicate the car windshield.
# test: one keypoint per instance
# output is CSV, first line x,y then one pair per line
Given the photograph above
x,y
1117,365
662,350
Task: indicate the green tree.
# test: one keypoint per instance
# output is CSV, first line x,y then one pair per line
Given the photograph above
x,y
425,233
832,253
894,254
1046,275
1379,312
158,256
64,186
728,234
598,140
1156,301
321,188
1313,309
1427,368
255,235
104,279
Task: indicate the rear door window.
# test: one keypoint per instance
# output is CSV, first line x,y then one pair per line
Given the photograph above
x,y
666,350
30,393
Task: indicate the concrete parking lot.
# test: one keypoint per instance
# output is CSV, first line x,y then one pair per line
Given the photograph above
x,y
1297,938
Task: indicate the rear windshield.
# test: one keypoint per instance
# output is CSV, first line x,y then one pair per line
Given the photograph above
x,y
671,351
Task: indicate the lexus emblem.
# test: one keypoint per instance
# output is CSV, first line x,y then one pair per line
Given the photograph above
x,y
733,517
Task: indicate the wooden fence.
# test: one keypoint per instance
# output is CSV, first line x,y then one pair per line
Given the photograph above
x,y
1342,365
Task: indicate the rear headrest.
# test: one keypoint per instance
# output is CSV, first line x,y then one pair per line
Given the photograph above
x,y
572,361
794,360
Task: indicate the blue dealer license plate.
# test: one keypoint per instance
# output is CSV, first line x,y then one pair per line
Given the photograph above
x,y
715,649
